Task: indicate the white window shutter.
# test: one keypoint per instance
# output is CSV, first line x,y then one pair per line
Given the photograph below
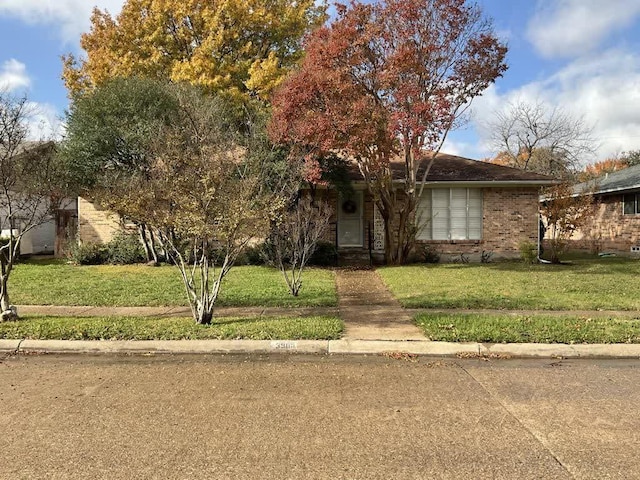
x,y
440,214
475,214
458,213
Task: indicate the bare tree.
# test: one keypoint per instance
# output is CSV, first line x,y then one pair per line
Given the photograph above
x,y
542,139
29,187
295,237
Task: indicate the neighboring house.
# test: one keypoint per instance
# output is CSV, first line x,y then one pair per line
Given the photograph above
x,y
50,237
468,207
57,227
615,226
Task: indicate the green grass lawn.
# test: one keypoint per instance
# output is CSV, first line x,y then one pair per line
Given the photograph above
x,y
607,283
136,328
56,283
524,329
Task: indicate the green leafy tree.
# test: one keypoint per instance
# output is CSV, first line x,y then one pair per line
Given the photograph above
x,y
180,162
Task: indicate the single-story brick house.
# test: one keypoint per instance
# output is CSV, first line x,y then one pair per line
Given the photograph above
x,y
615,226
468,207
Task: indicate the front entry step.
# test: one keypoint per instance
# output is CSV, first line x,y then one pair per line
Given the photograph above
x,y
357,258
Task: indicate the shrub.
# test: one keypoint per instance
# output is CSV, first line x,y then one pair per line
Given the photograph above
x,y
125,249
88,253
528,251
255,255
485,257
428,254
325,254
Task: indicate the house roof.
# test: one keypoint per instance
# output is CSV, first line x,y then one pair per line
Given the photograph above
x,y
29,146
454,169
620,181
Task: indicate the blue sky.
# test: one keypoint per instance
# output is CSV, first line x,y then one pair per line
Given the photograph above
x,y
580,55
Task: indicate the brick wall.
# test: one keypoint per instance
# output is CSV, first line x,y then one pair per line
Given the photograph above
x,y
609,230
510,216
96,225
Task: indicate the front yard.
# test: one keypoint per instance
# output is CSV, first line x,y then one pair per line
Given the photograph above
x,y
55,283
595,284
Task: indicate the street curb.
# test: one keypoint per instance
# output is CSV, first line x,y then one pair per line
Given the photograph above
x,y
415,347
338,347
543,350
9,346
174,346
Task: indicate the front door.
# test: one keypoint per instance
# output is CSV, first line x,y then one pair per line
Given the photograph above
x,y
350,230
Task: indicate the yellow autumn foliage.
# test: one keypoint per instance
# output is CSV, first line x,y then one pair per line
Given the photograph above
x,y
242,47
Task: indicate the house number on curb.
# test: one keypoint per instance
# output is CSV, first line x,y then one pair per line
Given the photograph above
x,y
282,345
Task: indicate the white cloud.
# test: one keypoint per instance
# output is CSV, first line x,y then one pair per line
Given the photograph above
x,y
604,90
13,75
565,28
71,17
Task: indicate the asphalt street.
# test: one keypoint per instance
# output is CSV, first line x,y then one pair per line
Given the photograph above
x,y
295,416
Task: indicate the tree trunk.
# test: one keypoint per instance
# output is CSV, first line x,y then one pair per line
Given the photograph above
x,y
4,295
152,245
398,244
142,230
204,313
8,311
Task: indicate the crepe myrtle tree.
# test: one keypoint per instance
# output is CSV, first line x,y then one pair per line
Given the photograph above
x,y
31,183
295,234
207,199
181,162
387,81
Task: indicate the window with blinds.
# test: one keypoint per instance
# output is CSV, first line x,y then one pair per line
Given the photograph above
x,y
450,214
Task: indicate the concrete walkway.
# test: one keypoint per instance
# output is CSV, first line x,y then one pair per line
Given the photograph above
x,y
369,311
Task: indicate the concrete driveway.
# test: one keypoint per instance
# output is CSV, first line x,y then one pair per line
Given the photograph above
x,y
280,416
